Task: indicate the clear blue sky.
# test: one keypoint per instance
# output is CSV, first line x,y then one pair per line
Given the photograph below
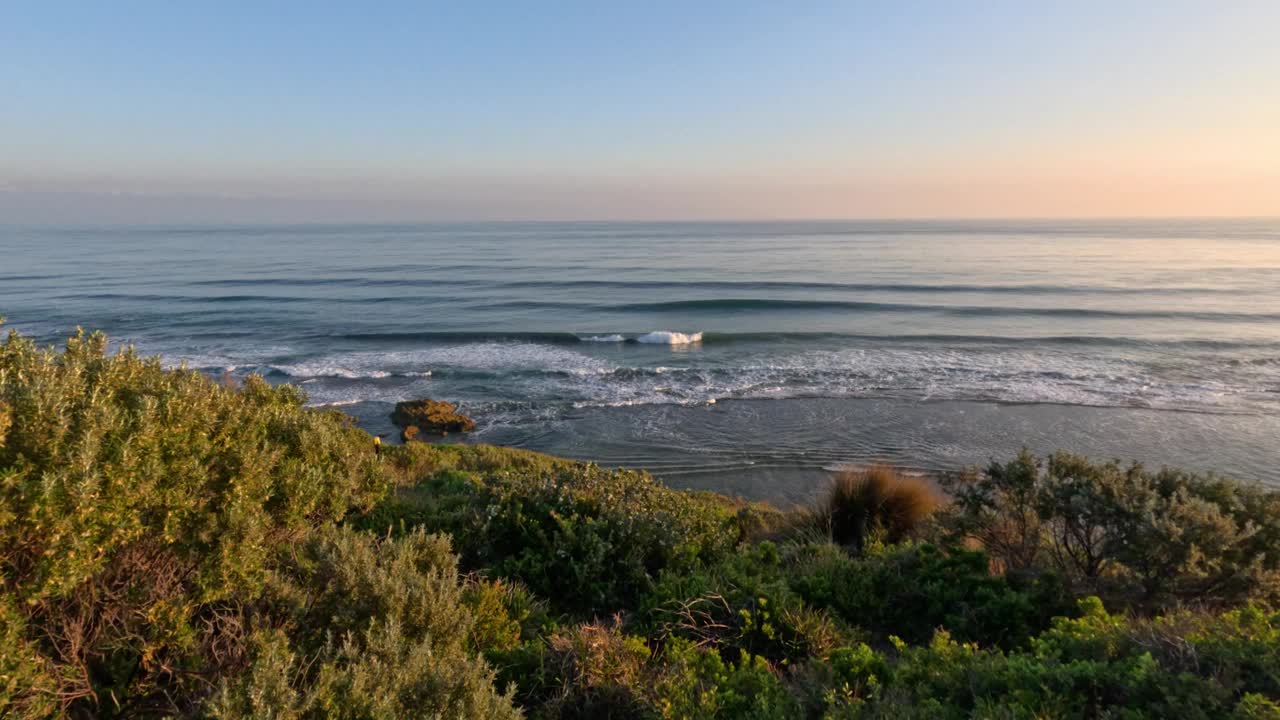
x,y
228,110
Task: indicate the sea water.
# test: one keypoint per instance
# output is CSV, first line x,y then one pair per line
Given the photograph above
x,y
750,358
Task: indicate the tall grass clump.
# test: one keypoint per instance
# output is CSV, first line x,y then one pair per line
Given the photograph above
x,y
877,500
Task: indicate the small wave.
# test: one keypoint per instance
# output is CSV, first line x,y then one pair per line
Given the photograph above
x,y
564,338
1256,362
312,370
668,337
935,374
200,362
779,304
339,403
28,277
204,365
604,338
489,358
546,338
238,299
909,288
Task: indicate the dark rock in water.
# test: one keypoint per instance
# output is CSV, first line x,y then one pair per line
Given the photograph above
x,y
434,417
410,432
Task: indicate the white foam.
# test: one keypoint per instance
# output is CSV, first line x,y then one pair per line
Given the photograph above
x,y
339,403
199,362
668,337
324,368
939,374
324,394
212,357
604,338
421,363
500,356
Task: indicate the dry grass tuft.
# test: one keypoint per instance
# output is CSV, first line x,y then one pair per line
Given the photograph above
x,y
876,499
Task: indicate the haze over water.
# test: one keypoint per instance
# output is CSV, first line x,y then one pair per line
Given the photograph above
x,y
745,357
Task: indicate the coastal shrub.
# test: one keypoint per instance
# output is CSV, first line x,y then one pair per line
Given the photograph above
x,y
844,684
1095,665
415,462
589,540
911,590
588,670
365,628
695,683
741,605
593,540
756,521
1236,650
595,670
173,547
139,508
504,614
874,501
1137,538
29,683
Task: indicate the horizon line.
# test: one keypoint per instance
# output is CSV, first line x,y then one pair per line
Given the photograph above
x,y
635,221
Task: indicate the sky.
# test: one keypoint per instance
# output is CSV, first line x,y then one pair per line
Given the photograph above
x,y
295,112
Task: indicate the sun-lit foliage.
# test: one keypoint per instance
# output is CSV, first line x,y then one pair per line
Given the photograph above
x,y
1137,538
172,546
139,507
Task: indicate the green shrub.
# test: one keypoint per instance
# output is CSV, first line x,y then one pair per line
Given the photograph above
x,y
170,546
589,540
742,604
1236,651
139,507
595,670
1185,665
844,684
505,614
693,682
29,682
911,590
414,462
585,671
366,629
1140,539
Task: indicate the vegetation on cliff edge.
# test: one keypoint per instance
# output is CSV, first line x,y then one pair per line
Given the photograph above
x,y
171,546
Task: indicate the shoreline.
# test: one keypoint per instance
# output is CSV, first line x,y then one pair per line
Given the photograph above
x,y
784,451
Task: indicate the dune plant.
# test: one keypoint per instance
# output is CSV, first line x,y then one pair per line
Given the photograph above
x,y
875,500
172,546
589,539
1142,539
139,508
365,628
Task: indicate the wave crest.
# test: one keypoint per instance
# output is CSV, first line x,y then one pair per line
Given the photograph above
x,y
668,337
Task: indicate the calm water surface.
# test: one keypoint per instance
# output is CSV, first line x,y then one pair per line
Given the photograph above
x,y
745,357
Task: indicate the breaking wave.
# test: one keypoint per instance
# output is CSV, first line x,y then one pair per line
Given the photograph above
x,y
667,337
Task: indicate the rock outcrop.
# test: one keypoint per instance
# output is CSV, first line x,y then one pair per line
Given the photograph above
x,y
432,417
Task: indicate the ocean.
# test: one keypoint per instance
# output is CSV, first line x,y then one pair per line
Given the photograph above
x,y
748,358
